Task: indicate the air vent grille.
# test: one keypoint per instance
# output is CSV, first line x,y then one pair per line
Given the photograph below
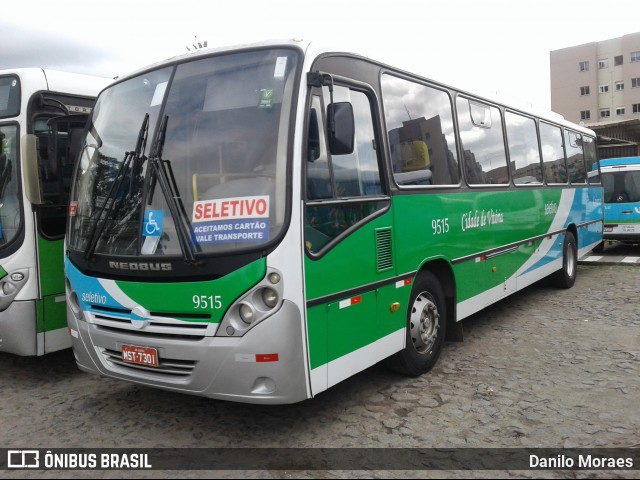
x,y
384,251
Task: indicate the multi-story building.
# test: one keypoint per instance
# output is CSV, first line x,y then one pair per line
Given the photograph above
x,y
598,84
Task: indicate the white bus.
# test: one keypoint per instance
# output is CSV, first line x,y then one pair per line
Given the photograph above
x,y
259,223
42,115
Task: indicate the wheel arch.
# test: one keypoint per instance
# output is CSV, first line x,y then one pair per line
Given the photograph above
x,y
443,271
574,230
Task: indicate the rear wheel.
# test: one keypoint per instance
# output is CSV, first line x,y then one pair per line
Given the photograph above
x,y
566,277
426,326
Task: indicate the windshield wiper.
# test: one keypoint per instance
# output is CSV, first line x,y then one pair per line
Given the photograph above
x,y
135,157
162,174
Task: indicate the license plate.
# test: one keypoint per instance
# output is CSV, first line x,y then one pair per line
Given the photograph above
x,y
146,356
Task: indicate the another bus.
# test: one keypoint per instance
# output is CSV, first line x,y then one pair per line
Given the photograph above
x,y
621,184
257,224
42,114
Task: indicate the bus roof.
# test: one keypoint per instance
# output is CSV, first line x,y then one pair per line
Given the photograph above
x,y
313,49
610,162
61,82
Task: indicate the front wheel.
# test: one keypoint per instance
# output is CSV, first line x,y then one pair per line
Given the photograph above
x,y
426,325
566,277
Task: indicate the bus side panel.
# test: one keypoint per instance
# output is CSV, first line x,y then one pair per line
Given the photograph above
x,y
474,231
496,241
317,328
589,205
354,328
53,333
52,314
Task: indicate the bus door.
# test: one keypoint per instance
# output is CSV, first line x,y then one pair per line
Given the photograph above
x,y
348,235
58,145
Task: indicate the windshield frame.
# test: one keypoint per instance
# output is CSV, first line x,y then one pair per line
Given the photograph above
x,y
16,241
210,264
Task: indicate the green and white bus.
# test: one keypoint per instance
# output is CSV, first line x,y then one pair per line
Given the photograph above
x,y
259,223
42,114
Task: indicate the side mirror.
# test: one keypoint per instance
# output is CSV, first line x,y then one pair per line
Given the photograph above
x,y
341,128
31,170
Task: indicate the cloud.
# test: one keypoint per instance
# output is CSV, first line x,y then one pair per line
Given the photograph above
x,y
28,47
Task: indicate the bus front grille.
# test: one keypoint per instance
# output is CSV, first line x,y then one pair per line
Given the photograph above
x,y
159,325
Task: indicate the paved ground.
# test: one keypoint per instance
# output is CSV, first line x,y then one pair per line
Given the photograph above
x,y
544,368
614,253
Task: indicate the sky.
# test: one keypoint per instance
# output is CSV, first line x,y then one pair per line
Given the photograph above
x,y
495,48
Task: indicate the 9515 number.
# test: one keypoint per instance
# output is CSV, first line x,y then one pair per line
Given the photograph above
x,y
207,302
440,225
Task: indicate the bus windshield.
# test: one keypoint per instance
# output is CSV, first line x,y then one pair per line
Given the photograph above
x,y
187,158
621,186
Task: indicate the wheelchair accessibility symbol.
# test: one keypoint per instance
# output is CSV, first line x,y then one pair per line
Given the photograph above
x,y
153,220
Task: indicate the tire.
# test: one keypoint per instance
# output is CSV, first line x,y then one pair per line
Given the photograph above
x,y
566,277
426,328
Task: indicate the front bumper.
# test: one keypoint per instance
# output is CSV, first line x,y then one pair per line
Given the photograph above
x,y
267,365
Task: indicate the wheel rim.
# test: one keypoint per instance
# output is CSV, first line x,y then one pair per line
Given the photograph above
x,y
424,322
571,260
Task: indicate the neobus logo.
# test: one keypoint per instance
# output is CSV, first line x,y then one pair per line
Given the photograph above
x,y
78,109
141,266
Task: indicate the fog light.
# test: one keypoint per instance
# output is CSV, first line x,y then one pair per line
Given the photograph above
x,y
17,276
246,313
269,297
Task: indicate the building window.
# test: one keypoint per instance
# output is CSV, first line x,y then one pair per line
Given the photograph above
x,y
584,66
619,111
604,63
635,56
585,115
635,82
636,107
618,60
619,86
584,91
604,88
605,113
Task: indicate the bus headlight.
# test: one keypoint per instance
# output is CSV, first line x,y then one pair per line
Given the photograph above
x,y
258,304
8,288
73,302
246,313
269,297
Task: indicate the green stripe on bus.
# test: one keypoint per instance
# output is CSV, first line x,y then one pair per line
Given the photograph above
x,y
178,297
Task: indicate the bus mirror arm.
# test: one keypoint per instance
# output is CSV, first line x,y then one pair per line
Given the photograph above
x,y
340,120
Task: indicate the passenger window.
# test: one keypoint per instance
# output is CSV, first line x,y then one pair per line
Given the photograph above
x,y
522,138
554,164
342,190
319,184
420,132
575,158
485,161
590,158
